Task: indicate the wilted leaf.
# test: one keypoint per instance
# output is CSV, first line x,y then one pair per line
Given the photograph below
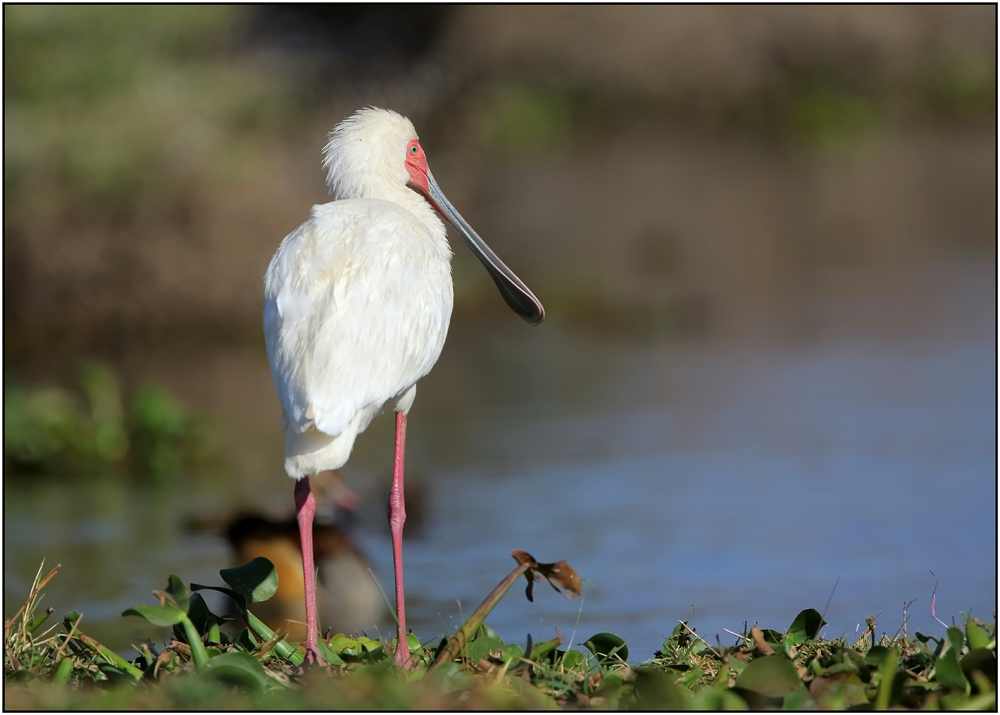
x,y
771,675
606,646
256,580
560,575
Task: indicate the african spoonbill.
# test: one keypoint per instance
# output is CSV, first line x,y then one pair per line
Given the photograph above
x,y
357,302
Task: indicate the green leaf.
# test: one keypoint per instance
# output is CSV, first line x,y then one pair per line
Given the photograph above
x,y
949,670
282,648
573,659
876,655
800,699
977,636
238,668
608,647
329,655
839,691
342,644
246,640
773,676
957,639
177,591
982,660
157,615
806,626
370,645
656,690
540,650
256,580
511,650
200,617
887,671
480,647
239,598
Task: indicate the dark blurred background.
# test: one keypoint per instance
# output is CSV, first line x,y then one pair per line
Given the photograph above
x,y
765,238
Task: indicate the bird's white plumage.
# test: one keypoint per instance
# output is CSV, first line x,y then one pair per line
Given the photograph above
x,y
357,299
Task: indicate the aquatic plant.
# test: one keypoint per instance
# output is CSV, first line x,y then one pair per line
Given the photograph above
x,y
205,667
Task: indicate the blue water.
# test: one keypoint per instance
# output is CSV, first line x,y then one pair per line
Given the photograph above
x,y
719,481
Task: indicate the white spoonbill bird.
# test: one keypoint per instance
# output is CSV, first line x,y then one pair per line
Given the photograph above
x,y
357,302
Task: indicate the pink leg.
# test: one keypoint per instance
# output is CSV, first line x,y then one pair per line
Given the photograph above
x,y
397,515
305,505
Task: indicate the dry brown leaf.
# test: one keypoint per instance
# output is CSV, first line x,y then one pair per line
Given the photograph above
x,y
560,575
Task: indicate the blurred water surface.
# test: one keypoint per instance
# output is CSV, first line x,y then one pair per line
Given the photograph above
x,y
762,375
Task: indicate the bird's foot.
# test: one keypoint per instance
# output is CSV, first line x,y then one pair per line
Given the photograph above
x,y
312,660
402,657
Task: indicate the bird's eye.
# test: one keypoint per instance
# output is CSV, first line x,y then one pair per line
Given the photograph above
x,y
413,148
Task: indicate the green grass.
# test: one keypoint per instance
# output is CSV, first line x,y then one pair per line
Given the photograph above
x,y
205,664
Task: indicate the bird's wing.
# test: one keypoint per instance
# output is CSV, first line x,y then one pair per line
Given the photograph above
x,y
349,314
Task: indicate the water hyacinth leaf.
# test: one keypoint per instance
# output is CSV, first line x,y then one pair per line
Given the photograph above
x,y
887,672
342,644
806,626
608,647
956,638
256,580
980,660
371,645
329,655
485,630
247,640
838,692
167,615
481,647
773,676
800,699
178,592
540,650
976,635
876,655
949,670
240,599
237,668
199,614
510,651
573,659
656,690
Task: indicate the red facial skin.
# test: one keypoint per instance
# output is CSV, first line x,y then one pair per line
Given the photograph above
x,y
416,166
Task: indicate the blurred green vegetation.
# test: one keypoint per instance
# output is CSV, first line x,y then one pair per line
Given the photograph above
x,y
51,430
110,110
206,667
